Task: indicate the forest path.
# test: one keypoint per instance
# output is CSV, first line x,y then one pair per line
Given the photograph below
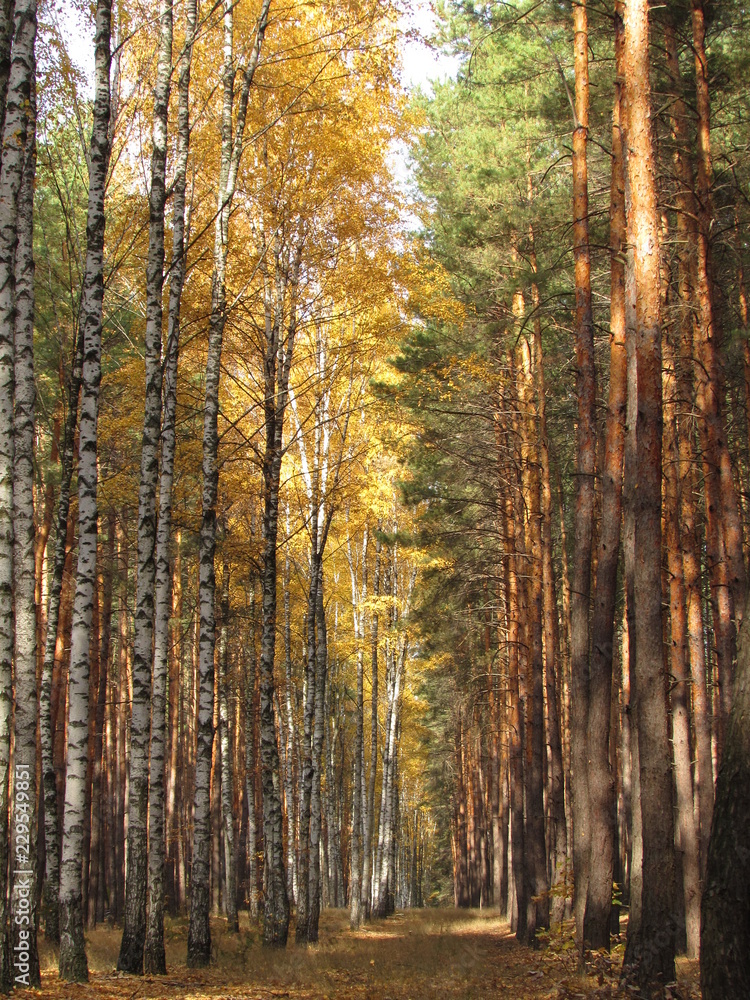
x,y
440,954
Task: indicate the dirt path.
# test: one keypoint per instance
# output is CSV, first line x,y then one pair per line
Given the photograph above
x,y
416,955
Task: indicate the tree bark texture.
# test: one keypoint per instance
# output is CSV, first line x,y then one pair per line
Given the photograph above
x,y
227,762
601,788
154,957
23,905
725,956
73,963
585,466
16,127
649,959
199,932
136,884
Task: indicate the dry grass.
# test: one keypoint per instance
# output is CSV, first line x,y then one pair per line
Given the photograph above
x,y
415,955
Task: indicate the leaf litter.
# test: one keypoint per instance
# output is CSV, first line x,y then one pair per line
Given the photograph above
x,y
414,955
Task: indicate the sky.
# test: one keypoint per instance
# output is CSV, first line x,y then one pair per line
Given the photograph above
x,y
421,64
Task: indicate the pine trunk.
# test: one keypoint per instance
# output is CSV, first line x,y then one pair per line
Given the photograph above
x,y
585,466
725,951
597,917
649,959
687,840
688,487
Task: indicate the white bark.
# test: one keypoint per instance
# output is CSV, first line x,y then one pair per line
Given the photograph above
x,y
199,933
155,959
252,832
134,930
14,143
359,595
23,900
73,964
227,764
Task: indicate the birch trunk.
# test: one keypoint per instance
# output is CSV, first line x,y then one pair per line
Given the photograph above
x,y
73,964
227,763
51,886
369,818
291,873
199,932
384,903
15,131
23,904
155,959
318,735
303,891
134,930
252,834
355,884
277,367
99,773
6,39
378,905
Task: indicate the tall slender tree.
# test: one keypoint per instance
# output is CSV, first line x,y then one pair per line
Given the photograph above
x,y
232,142
600,771
22,102
154,956
585,467
73,963
649,958
134,930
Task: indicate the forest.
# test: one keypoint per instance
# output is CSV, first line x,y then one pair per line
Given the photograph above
x,y
375,500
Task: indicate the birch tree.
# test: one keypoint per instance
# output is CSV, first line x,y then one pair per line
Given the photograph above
x,y
134,930
280,330
155,960
16,459
23,900
17,393
232,140
73,963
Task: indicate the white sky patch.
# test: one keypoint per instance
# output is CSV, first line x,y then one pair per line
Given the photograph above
x,y
421,63
77,31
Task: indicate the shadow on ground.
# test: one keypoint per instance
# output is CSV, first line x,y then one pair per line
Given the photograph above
x,y
435,954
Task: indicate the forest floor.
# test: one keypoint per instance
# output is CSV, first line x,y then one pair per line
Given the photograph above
x,y
416,954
